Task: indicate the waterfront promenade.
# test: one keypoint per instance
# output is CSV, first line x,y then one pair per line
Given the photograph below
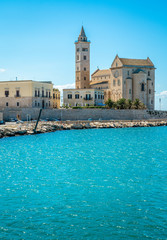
x,y
25,128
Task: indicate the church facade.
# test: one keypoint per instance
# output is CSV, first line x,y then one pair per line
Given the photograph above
x,y
126,78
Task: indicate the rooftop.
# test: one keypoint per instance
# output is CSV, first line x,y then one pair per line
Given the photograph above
x,y
98,82
136,62
84,89
16,81
103,72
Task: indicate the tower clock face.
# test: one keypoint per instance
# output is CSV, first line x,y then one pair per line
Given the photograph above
x,y
116,74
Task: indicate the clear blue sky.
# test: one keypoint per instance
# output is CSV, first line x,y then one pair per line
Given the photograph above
x,y
37,37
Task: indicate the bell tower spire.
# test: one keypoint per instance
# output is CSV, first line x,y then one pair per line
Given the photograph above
x,y
82,61
82,36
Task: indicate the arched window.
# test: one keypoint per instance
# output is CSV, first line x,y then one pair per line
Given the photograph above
x,y
142,87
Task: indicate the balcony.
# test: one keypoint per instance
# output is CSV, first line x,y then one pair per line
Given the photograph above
x,y
44,96
88,99
17,96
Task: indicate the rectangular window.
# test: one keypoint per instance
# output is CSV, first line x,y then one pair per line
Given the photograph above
x,y
149,91
42,93
49,103
38,93
18,104
35,93
84,78
69,96
84,57
142,87
95,96
148,73
6,93
77,49
76,96
47,94
17,93
6,104
84,49
84,68
77,78
130,91
54,95
151,101
114,83
88,97
77,57
128,73
38,104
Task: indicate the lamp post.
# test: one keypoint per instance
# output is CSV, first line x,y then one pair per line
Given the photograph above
x,y
160,104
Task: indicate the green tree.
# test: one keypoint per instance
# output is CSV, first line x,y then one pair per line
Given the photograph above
x,y
121,103
109,103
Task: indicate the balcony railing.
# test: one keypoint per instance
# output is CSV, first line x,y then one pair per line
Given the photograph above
x,y
88,99
43,96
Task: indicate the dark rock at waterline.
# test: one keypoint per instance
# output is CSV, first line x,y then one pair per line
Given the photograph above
x,y
23,132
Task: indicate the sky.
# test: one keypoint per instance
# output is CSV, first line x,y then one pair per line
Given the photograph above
x,y
37,38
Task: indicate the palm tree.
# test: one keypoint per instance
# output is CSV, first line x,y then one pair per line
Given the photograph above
x,y
136,103
121,103
129,103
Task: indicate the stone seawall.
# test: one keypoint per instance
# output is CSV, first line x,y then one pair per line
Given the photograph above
x,y
13,129
82,114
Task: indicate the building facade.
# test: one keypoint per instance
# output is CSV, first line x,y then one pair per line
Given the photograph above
x,y
56,98
127,78
101,79
26,93
82,61
83,97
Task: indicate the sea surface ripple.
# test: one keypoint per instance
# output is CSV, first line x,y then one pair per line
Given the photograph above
x,y
85,184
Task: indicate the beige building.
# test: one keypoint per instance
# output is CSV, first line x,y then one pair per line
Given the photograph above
x,y
101,79
56,98
82,61
83,97
127,78
26,93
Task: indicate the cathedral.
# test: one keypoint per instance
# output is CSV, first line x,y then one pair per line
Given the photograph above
x,y
126,78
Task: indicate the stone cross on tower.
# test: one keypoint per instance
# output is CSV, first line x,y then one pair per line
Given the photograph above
x,y
82,61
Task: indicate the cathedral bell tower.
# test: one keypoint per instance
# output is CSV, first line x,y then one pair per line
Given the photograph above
x,y
82,61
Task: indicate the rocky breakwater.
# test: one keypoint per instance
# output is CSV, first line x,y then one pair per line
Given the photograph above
x,y
12,129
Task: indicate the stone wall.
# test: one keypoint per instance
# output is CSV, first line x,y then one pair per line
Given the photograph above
x,y
82,114
1,116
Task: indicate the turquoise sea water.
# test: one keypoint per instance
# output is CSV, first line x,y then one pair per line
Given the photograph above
x,y
85,184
